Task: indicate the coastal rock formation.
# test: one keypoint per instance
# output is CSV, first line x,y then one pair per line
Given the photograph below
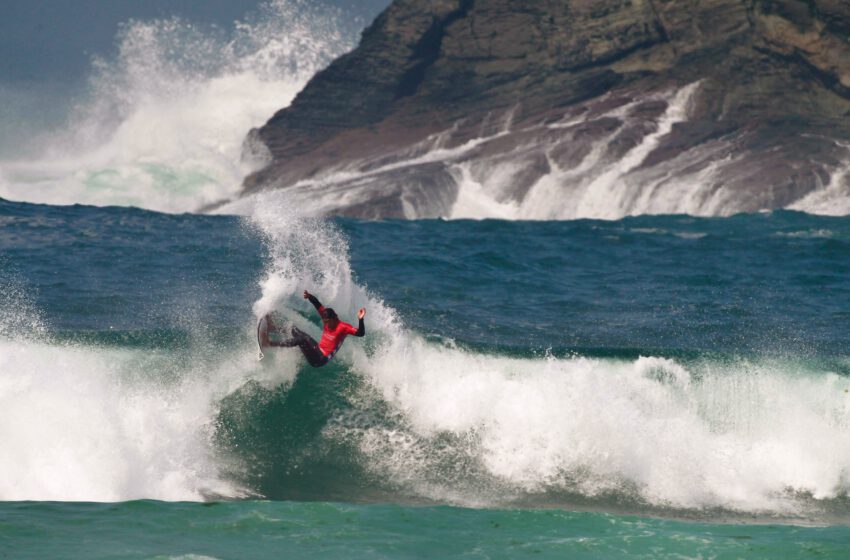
x,y
573,108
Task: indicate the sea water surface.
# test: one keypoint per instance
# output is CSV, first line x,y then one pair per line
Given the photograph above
x,y
662,386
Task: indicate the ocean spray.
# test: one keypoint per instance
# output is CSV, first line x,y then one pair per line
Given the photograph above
x,y
163,123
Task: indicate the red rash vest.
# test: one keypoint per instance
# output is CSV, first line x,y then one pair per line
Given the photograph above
x,y
332,339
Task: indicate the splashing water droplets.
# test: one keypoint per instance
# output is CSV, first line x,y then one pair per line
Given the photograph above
x,y
165,119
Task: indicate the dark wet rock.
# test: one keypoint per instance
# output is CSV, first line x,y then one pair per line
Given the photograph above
x,y
704,106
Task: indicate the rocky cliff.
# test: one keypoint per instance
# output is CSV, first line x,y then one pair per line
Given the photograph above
x,y
573,108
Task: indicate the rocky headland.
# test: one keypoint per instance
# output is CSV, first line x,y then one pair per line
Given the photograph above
x,y
573,108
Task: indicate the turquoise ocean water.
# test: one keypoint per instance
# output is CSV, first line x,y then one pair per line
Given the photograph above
x,y
653,387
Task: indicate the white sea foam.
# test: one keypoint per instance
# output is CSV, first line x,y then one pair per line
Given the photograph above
x,y
748,436
91,423
599,186
165,121
88,423
834,198
71,431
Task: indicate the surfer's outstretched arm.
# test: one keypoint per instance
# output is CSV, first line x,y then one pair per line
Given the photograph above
x,y
316,303
361,326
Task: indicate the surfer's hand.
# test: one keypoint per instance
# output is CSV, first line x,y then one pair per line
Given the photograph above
x,y
306,294
361,313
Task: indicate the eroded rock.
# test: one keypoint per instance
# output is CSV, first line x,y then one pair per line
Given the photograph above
x,y
548,109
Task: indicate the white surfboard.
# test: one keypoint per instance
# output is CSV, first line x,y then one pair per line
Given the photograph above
x,y
263,335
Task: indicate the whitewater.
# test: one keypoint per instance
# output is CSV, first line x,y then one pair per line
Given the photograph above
x,y
162,123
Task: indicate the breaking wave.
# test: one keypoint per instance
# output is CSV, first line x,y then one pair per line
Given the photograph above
x,y
163,123
403,416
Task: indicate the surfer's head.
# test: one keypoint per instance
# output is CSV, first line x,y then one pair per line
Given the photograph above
x,y
329,316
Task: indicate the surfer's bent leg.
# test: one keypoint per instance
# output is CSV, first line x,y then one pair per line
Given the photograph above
x,y
309,347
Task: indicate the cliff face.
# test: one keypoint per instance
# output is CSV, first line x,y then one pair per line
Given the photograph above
x,y
573,108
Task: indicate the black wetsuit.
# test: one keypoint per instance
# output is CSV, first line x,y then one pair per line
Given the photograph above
x,y
308,345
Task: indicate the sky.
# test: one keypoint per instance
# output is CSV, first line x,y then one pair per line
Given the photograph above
x,y
55,40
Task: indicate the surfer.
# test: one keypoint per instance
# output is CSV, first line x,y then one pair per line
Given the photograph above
x,y
334,332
